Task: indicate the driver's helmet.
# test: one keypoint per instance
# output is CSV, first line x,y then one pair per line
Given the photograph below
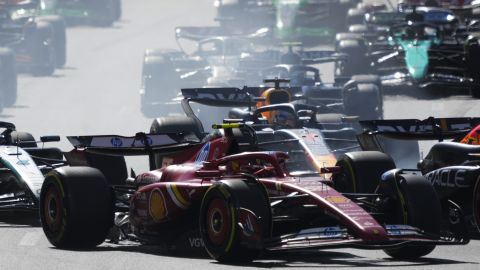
x,y
473,137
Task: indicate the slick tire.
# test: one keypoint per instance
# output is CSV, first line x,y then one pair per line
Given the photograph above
x,y
59,38
473,54
76,207
361,171
175,124
419,206
476,206
364,101
357,61
118,10
221,220
22,139
106,12
40,40
358,28
355,16
8,78
160,83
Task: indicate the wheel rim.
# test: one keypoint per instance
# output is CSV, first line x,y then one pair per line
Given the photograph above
x,y
218,222
53,209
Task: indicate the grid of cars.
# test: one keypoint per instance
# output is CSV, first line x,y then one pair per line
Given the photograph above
x,y
250,150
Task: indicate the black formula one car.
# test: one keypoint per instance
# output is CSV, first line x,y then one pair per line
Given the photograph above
x,y
234,64
235,205
220,59
419,56
452,167
22,167
39,42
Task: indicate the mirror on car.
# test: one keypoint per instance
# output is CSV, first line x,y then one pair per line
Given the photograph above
x,y
52,138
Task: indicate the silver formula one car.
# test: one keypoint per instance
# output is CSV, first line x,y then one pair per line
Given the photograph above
x,y
22,166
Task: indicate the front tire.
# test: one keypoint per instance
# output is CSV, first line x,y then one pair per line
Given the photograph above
x,y
221,220
361,171
76,207
417,205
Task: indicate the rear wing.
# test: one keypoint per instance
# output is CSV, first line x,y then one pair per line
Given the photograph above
x,y
223,96
197,33
319,57
140,144
414,129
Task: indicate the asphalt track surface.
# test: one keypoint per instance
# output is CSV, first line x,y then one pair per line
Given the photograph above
x,y
97,93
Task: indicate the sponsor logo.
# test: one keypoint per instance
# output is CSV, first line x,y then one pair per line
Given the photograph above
x,y
337,199
196,242
23,162
157,208
448,178
147,141
116,142
203,154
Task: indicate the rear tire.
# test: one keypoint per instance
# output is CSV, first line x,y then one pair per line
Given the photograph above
x,y
220,219
421,208
76,207
357,61
40,45
361,171
175,124
363,100
106,12
160,83
59,38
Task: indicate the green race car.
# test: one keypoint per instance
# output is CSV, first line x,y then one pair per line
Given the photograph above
x,y
308,21
97,12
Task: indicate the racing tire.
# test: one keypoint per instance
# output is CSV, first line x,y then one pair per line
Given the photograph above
x,y
107,12
346,36
357,61
221,220
22,139
8,78
175,124
59,38
118,11
367,79
361,171
358,28
160,83
476,205
364,101
76,207
419,206
473,54
355,16
40,46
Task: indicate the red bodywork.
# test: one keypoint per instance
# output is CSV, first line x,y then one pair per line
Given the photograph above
x,y
167,208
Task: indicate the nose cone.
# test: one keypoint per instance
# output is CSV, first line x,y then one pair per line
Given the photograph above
x,y
416,58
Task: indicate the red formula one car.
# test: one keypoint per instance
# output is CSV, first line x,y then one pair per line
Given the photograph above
x,y
234,204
